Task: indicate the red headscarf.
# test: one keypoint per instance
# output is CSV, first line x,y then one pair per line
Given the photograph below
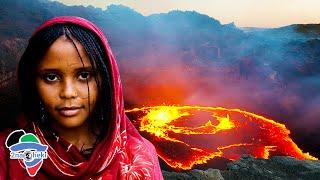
x,y
122,155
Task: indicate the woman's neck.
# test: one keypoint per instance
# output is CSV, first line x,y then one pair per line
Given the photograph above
x,y
81,137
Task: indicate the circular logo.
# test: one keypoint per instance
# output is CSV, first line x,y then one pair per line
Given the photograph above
x,y
28,156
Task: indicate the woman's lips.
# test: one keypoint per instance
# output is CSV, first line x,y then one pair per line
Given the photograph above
x,y
69,111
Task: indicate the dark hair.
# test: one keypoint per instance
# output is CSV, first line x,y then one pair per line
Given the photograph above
x,y
37,48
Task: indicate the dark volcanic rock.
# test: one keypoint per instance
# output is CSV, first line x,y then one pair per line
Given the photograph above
x,y
213,174
246,168
278,167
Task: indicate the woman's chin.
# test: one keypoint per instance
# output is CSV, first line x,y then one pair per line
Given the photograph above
x,y
71,122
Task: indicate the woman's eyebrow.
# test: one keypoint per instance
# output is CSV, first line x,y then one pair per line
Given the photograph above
x,y
50,70
88,68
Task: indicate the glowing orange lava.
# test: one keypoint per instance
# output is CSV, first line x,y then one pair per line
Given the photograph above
x,y
188,135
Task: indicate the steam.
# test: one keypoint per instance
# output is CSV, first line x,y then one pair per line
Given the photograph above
x,y
270,72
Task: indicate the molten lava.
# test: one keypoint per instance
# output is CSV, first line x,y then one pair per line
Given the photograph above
x,y
188,135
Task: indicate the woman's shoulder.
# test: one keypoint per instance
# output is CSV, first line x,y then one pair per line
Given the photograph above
x,y
3,136
3,148
3,153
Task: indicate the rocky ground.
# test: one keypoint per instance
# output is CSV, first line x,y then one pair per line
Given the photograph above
x,y
246,168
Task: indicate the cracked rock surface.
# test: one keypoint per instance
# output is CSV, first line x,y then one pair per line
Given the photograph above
x,y
247,167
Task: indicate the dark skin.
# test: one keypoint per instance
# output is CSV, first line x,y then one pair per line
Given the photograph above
x,y
66,87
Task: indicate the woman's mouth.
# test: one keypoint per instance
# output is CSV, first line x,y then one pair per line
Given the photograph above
x,y
69,111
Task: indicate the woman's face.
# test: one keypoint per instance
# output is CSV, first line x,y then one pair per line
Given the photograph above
x,y
67,87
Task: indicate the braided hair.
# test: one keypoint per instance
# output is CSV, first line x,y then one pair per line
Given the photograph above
x,y
35,51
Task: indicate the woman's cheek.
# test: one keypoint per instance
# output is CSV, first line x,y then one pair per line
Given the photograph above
x,y
93,94
48,93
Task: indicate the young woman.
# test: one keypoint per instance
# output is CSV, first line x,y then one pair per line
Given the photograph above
x,y
72,101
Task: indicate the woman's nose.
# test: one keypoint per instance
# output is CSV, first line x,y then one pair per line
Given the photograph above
x,y
68,90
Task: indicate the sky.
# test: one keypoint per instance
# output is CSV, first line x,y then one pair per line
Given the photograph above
x,y
244,13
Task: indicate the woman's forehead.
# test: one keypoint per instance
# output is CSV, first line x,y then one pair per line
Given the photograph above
x,y
64,54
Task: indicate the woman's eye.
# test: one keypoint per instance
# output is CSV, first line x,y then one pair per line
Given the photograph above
x,y
51,77
84,76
